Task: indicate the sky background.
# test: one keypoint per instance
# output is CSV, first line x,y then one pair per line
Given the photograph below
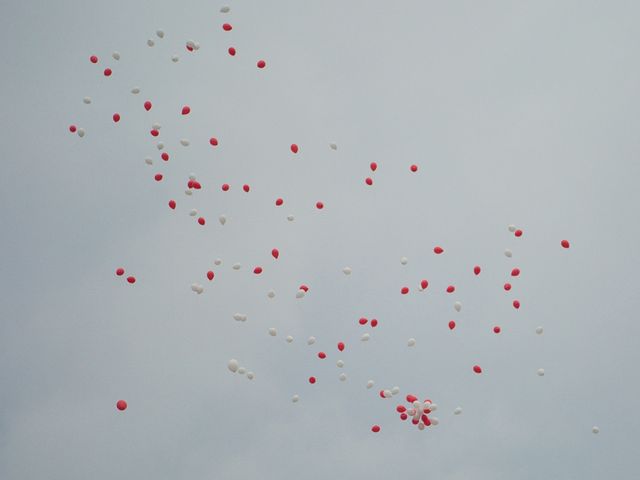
x,y
519,113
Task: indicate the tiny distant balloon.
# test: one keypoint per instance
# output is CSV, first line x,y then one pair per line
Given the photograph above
x,y
232,365
374,323
232,51
508,253
438,250
210,275
457,306
131,279
476,270
477,369
411,342
186,110
319,205
515,272
93,59
457,411
120,271
414,168
540,372
375,428
227,27
341,346
121,405
294,148
312,380
404,290
261,64
147,105
107,72
451,289
565,244
295,399
539,330
452,325
370,384
518,233
516,304
496,329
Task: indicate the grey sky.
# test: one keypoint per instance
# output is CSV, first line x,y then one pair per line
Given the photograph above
x,y
516,112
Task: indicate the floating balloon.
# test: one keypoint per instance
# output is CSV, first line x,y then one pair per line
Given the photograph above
x,y
507,253
311,340
518,233
257,270
507,286
73,128
411,342
186,110
289,339
370,384
87,100
150,43
375,428
81,132
539,330
213,141
595,430
185,142
414,168
225,9
231,51
158,177
346,270
165,156
512,228
341,346
275,253
373,166
424,284
131,279
225,187
404,290
147,105
322,355
452,325
374,323
294,148
116,117
271,294
120,271
515,272
232,365
93,59
107,72
368,181
210,275
457,411
476,270
540,372
201,220
496,329
457,306
516,304
363,321
477,369
319,205
565,243
404,260
342,377
227,27
261,64
279,202
438,250
135,90
451,289
340,364
250,375
160,33
236,266
246,188
116,55
172,204
365,337
312,380
121,404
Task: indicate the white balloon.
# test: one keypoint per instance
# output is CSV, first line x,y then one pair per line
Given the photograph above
x,y
240,317
370,384
539,330
236,266
242,370
457,411
175,58
421,426
250,375
148,161
457,306
289,339
311,340
193,212
417,404
342,377
411,342
188,192
196,46
395,390
541,372
387,393
160,33
512,228
222,219
333,146
434,421
365,337
404,260
135,90
81,132
87,100
217,261
340,363
191,44
224,9
595,429
273,332
507,253
116,55
271,294
295,399
433,407
185,142
300,293
160,145
346,270
151,43
157,126
411,412
200,289
233,365
194,287
291,218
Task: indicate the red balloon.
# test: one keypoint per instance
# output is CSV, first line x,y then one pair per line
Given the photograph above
x,y
232,51
73,128
120,271
403,416
154,133
496,329
304,287
165,156
438,250
451,289
186,110
411,398
190,48
322,355
381,393
225,187
197,185
294,148
363,321
190,184
476,270
507,286
107,72
213,141
319,205
210,275
279,202
515,272
158,177
201,221
227,27
452,325
516,304
147,105
246,188
404,290
414,168
121,404
257,270
565,243
131,279
261,64
275,253
401,409
477,369
312,380
518,233
172,204
116,117
368,181
426,420
375,428
373,166
341,346
374,323
93,59
424,284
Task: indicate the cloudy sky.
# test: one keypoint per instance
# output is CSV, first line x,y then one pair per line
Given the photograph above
x,y
519,113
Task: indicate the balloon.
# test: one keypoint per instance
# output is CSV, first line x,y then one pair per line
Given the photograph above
x,y
411,398
322,355
457,411
387,394
295,399
257,270
289,339
279,202
226,9
311,340
246,188
363,321
515,272
438,250
368,181
595,430
225,187
160,33
300,293
342,377
414,168
411,342
404,290
333,146
201,220
291,218
213,141
565,243
457,306
518,233
210,275
261,64
434,421
217,261
131,280
365,337
147,105
121,404
341,346
516,304
73,128
540,372
271,294
304,287
507,286
150,43
539,330
135,90
477,369
374,323
239,317
346,270
373,166
250,375
242,370
375,428
154,133
312,380
404,260
120,271
294,148
93,59
227,27
87,100
185,142
424,284
476,270
165,156
107,72
340,364
507,253
233,365
319,205
403,416
186,110
275,253
451,289
370,384
160,146
236,266
452,325
116,117
496,329
232,51
116,55
512,228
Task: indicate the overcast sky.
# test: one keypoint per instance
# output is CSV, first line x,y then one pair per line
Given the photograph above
x,y
519,113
